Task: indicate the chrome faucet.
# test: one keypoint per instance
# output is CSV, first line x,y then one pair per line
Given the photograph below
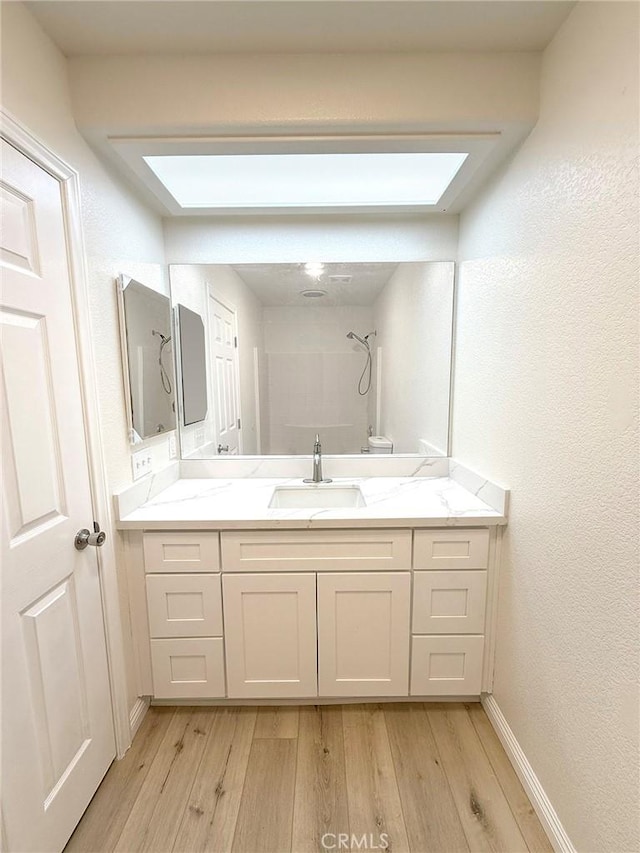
x,y
317,464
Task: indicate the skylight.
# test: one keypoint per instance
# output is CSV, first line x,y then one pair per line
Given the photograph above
x,y
306,180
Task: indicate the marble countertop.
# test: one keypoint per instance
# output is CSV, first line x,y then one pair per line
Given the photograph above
x,y
190,504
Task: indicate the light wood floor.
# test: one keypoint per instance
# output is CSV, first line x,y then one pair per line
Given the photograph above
x,y
430,778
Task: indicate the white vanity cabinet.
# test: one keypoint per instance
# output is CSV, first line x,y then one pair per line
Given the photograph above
x,y
300,614
359,622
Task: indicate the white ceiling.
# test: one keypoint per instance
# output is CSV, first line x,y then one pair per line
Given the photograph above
x,y
282,284
117,27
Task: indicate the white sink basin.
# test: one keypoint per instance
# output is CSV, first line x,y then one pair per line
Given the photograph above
x,y
316,497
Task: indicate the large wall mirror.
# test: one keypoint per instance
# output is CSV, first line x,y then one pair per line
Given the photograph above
x,y
147,355
357,352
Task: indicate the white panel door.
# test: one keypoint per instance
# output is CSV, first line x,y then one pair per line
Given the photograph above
x,y
270,635
57,731
226,393
363,633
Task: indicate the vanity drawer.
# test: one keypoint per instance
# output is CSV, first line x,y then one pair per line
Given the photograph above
x,y
448,602
446,665
184,605
306,550
451,549
188,668
181,552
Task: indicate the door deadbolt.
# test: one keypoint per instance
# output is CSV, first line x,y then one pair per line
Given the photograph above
x,y
85,537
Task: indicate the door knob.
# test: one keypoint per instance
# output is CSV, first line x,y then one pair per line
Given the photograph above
x,y
223,448
85,537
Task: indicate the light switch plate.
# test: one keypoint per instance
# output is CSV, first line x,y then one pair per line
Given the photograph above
x,y
173,447
141,463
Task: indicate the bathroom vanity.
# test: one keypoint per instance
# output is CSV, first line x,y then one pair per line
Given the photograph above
x,y
250,587
237,598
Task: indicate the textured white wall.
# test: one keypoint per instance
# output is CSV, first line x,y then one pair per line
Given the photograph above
x,y
121,234
292,239
545,388
413,317
271,92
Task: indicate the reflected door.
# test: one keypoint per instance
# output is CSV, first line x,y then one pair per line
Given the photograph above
x,y
224,376
57,730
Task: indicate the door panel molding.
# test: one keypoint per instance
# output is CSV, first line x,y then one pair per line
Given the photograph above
x,y
24,141
231,407
52,635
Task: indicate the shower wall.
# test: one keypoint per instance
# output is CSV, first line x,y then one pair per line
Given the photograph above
x,y
311,379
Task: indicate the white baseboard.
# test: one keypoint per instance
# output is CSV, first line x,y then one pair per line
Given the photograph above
x,y
137,713
530,782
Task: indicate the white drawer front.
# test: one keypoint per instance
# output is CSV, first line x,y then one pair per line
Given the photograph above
x,y
446,666
305,550
181,552
448,602
188,668
451,549
184,605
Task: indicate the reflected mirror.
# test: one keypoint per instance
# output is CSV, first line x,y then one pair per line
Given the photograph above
x,y
147,356
193,365
357,352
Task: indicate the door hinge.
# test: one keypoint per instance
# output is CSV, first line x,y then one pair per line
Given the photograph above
x,y
239,424
235,341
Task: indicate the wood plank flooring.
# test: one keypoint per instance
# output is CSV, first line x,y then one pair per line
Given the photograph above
x,y
423,778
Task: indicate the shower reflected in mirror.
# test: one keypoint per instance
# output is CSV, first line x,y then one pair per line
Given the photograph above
x,y
147,358
358,352
364,383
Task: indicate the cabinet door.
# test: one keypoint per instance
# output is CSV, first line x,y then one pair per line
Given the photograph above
x,y
270,635
363,633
